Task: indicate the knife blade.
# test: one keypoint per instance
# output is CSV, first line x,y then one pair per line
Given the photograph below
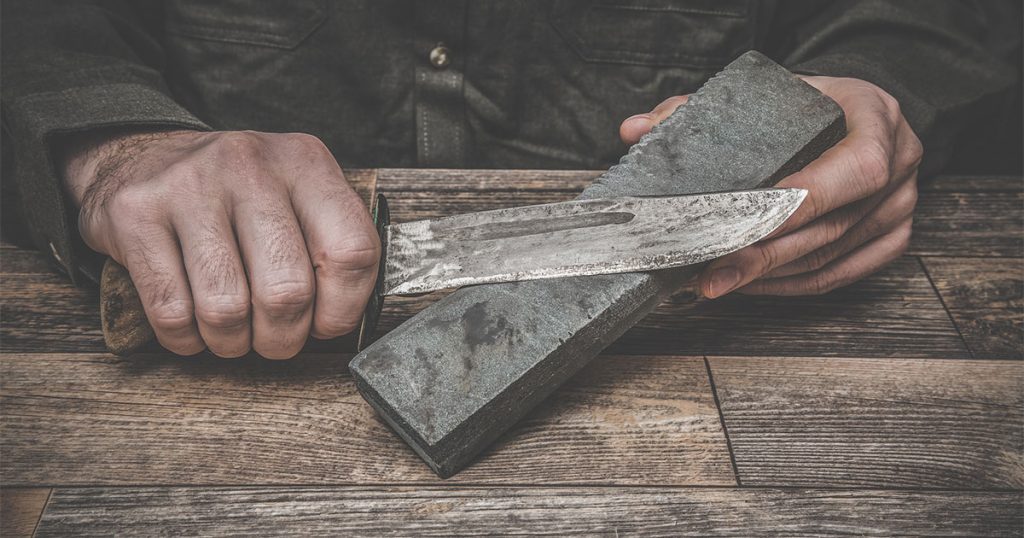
x,y
574,238
579,237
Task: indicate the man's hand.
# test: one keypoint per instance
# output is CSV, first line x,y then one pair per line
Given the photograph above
x,y
857,215
235,240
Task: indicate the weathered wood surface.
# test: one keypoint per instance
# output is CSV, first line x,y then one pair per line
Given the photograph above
x,y
874,423
97,419
42,310
985,298
20,510
606,455
427,511
959,216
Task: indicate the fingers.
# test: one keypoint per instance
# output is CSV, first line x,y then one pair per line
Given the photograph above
x,y
220,291
854,266
156,269
343,246
745,265
894,210
280,276
634,127
858,166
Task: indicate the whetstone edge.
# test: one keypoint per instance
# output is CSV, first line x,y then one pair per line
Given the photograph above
x,y
457,375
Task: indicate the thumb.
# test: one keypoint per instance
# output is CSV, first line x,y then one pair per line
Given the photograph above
x,y
634,127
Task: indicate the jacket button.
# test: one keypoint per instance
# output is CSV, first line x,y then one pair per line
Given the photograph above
x,y
439,57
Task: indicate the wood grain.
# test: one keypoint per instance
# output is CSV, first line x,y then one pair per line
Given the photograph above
x,y
972,184
985,297
44,311
973,223
20,509
428,511
874,423
80,419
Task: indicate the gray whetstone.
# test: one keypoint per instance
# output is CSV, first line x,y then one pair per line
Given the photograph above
x,y
457,375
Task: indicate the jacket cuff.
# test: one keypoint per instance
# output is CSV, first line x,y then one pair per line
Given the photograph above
x,y
34,120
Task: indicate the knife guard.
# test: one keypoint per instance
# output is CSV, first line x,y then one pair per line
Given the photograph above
x,y
375,304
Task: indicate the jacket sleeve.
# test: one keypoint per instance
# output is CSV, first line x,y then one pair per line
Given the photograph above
x,y
72,67
950,64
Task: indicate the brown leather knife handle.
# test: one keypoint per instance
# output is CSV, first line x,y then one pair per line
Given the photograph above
x,y
126,328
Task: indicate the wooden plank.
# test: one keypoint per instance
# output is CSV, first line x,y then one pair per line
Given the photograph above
x,y
44,311
431,511
20,510
444,181
894,313
874,423
980,223
972,184
80,419
16,260
985,297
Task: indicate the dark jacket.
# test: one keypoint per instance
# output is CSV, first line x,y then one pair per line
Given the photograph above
x,y
484,84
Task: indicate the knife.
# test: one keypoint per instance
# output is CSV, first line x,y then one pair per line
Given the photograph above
x,y
574,238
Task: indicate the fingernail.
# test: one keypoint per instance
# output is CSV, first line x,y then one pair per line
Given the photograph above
x,y
723,280
645,117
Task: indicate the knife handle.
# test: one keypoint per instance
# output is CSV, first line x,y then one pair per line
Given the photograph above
x,y
126,328
374,305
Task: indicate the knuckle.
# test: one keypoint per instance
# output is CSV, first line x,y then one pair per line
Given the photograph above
x,y
224,312
284,299
873,165
769,258
913,154
308,144
834,229
339,324
239,147
907,201
356,255
903,235
171,316
822,282
892,105
819,258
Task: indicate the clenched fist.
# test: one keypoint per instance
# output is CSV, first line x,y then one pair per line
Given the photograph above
x,y
858,212
235,240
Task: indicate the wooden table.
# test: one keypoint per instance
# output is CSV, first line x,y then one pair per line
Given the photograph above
x,y
892,406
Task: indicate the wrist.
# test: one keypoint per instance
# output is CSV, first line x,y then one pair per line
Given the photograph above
x,y
84,158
